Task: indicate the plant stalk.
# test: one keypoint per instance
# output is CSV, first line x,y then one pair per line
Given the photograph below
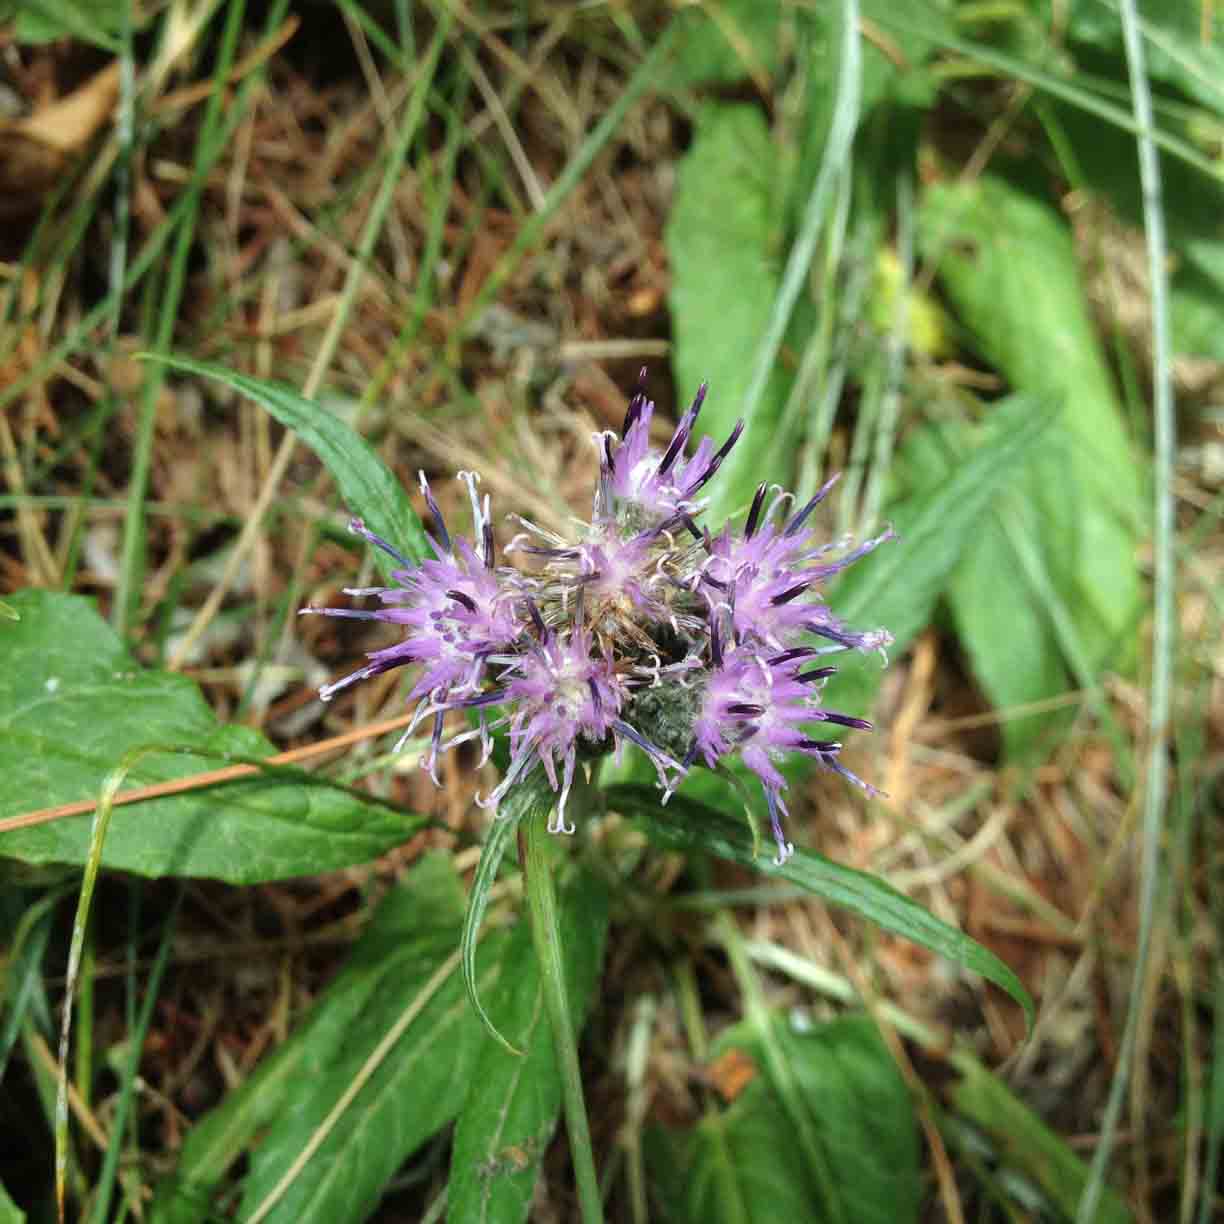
x,y
535,843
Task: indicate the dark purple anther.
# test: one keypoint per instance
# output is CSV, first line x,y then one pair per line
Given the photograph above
x,y
791,593
755,513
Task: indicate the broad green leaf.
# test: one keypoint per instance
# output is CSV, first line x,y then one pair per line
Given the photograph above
x,y
409,1052
73,703
738,1165
690,826
860,1108
725,271
925,23
1008,264
736,40
985,581
511,1110
1025,1144
899,585
366,484
419,919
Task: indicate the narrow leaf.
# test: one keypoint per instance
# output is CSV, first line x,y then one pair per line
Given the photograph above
x,y
23,972
688,826
522,802
1026,1145
368,487
899,584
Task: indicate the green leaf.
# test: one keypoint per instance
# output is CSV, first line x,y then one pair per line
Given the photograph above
x,y
988,586
524,799
10,1213
907,83
400,1074
1025,1144
689,826
899,585
860,1108
1009,266
725,273
417,921
1196,300
511,1111
27,932
737,41
74,703
738,1165
97,22
367,485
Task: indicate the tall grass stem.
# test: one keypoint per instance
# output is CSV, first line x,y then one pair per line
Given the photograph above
x,y
1155,797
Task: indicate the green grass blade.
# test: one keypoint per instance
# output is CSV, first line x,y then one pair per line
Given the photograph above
x,y
742,469
105,1183
23,967
208,149
80,923
1155,796
1011,67
646,73
1025,1143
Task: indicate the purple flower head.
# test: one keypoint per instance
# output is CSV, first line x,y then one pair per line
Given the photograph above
x,y
457,611
607,567
759,706
642,629
561,693
652,485
766,575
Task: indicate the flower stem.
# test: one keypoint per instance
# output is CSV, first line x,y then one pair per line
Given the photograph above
x,y
535,844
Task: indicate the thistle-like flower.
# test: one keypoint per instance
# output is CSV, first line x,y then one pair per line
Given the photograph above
x,y
645,629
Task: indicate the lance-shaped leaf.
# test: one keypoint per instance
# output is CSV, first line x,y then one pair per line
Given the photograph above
x,y
687,825
369,488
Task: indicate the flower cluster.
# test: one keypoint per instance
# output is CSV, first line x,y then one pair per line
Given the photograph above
x,y
646,629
